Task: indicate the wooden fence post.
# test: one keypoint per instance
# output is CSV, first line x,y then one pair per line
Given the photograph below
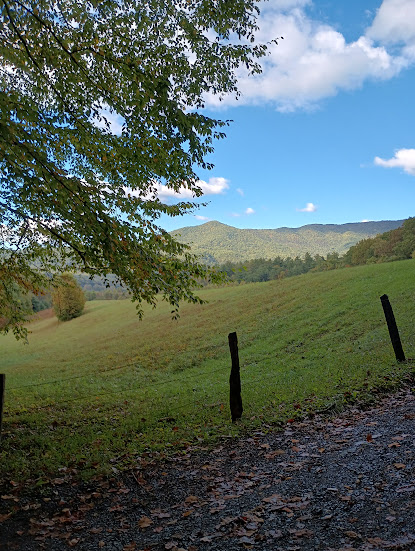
x,y
235,397
2,387
393,328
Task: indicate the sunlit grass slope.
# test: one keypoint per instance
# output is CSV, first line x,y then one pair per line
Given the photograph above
x,y
101,389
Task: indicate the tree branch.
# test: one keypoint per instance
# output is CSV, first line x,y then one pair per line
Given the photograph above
x,y
47,80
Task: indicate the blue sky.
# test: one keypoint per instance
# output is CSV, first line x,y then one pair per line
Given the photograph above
x,y
327,133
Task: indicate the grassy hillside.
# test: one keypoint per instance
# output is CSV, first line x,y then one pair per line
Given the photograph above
x,y
95,392
220,243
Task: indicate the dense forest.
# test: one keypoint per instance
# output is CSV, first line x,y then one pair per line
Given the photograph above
x,y
393,245
218,243
398,244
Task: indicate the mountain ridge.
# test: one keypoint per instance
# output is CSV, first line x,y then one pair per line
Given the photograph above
x,y
217,243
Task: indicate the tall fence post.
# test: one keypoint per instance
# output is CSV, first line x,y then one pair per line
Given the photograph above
x,y
393,329
235,397
2,387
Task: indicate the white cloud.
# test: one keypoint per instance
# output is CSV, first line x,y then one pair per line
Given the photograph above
x,y
240,191
247,212
202,218
314,61
215,186
394,22
404,158
289,4
113,119
310,207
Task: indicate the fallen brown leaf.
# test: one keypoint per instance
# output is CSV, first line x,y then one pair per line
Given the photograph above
x,y
116,508
144,522
351,534
274,453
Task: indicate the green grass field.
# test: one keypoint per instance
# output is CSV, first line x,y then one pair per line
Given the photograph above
x,y
94,393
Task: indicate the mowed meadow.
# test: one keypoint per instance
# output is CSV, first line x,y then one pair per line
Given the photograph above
x,y
94,393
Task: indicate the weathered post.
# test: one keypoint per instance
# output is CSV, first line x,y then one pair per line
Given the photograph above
x,y
235,397
393,328
2,387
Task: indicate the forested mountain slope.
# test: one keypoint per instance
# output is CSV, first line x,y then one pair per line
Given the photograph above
x,y
219,243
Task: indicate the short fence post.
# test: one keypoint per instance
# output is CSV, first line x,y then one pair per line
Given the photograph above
x,y
235,397
2,387
393,328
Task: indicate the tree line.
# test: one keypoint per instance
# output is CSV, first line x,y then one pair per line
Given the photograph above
x,y
398,244
100,288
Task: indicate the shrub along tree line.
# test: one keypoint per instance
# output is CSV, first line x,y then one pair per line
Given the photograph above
x,y
393,245
68,298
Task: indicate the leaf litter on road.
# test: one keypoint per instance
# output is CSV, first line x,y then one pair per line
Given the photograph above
x,y
324,483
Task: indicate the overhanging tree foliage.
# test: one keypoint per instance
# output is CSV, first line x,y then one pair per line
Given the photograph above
x,y
74,194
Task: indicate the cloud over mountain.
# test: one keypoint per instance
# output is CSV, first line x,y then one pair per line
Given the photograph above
x,y
310,207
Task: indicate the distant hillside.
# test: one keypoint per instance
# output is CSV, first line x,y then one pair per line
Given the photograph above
x,y
218,243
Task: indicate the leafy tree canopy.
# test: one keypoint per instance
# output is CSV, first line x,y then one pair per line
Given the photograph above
x,y
73,193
